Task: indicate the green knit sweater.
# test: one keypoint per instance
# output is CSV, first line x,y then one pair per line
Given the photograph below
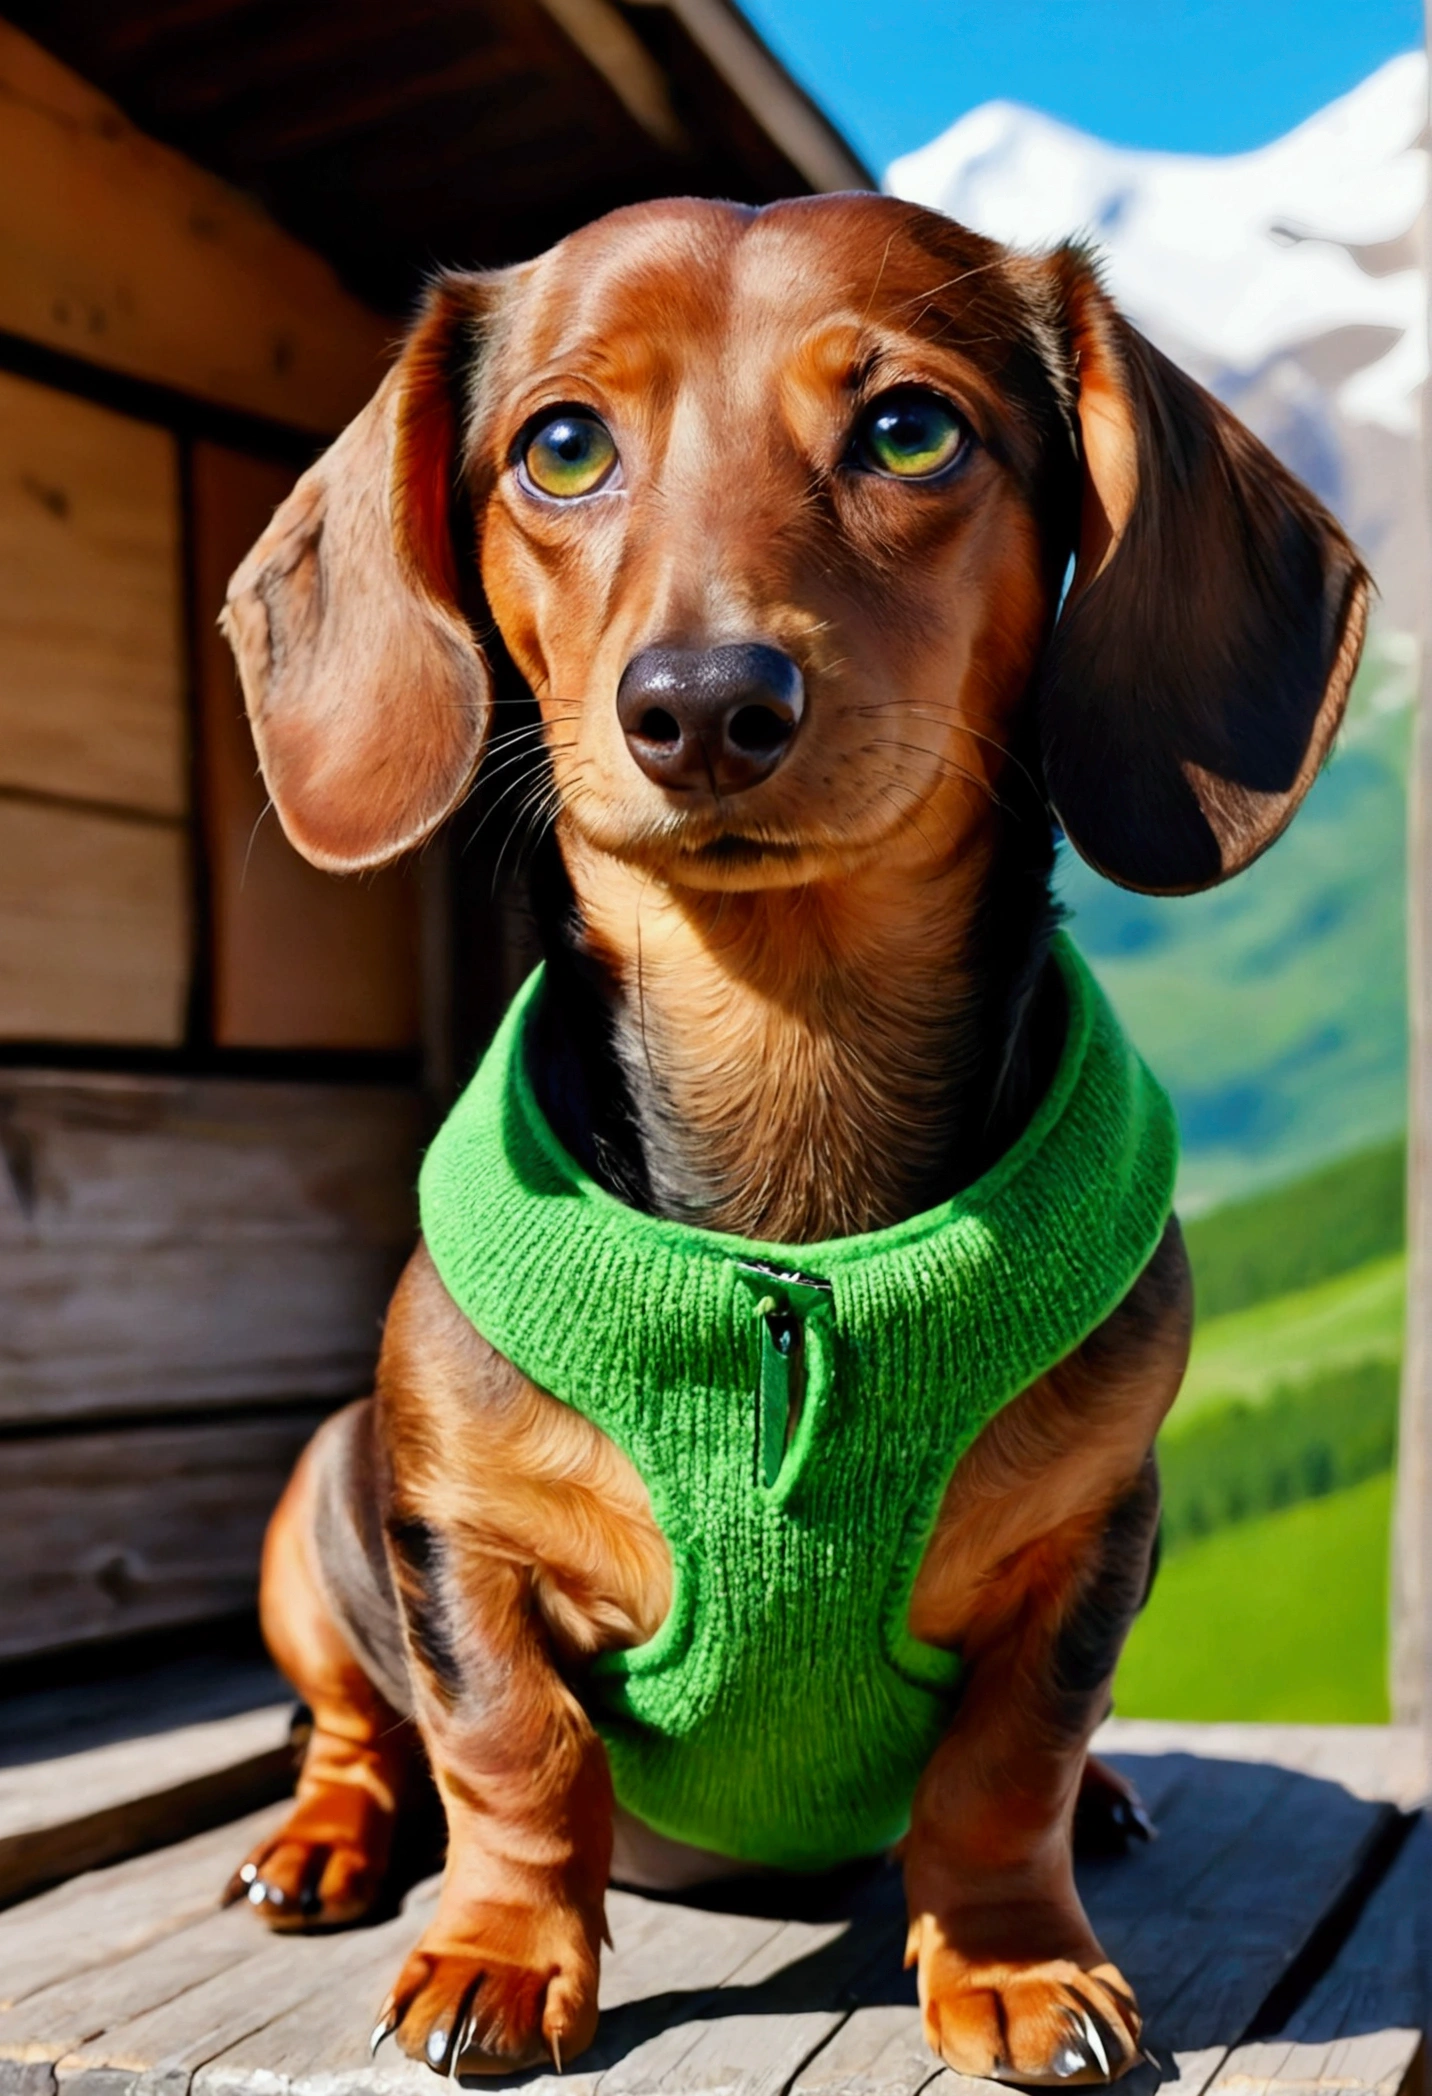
x,y
783,1712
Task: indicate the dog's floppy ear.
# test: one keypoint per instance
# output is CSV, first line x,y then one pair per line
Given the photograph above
x,y
1201,664
367,691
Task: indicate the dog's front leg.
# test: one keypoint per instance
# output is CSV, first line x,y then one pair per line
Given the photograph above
x,y
1013,1982
506,1973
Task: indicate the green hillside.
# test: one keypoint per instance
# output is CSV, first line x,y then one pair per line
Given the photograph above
x,y
1277,1460
1293,1236
1348,1318
1281,1619
1236,1460
1274,1008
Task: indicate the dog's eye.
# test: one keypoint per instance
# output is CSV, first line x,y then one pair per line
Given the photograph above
x,y
571,453
909,433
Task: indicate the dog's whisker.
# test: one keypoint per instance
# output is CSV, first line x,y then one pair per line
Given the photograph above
x,y
522,777
519,783
530,823
891,786
948,767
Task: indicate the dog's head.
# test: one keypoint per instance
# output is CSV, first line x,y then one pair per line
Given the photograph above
x,y
773,511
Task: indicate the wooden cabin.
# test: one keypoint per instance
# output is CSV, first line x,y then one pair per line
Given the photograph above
x,y
218,1067
219,1064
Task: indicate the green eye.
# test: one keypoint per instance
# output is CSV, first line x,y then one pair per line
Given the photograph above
x,y
570,454
910,434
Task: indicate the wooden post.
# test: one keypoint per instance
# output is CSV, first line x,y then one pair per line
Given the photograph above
x,y
1411,1643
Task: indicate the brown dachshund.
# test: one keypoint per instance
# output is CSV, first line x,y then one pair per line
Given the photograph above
x,y
845,554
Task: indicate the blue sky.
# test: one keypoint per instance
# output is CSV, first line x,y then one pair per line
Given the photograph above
x,y
1193,76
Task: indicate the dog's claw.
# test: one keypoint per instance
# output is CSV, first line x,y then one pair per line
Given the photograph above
x,y
469,2029
1132,1821
1081,2050
1096,2044
557,2051
247,1872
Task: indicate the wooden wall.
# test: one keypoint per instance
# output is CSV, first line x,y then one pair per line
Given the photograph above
x,y
94,786
210,1114
191,1271
118,250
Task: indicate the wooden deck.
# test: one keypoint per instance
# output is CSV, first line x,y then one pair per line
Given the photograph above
x,y
1279,1931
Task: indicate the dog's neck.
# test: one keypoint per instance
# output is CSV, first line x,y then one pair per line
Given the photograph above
x,y
803,1063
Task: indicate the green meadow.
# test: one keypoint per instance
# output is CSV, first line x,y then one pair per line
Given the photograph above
x,y
1278,1458
1283,1618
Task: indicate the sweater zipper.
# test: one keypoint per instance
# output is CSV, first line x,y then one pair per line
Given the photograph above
x,y
781,1383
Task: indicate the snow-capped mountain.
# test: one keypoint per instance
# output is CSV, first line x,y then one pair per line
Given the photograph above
x,y
1288,280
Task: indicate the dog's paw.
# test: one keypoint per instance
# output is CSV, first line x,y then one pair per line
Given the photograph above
x,y
1110,1817
460,2009
1051,2022
325,1865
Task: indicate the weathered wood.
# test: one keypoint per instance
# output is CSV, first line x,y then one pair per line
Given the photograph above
x,y
1373,2063
1372,1761
94,926
606,39
168,1974
177,1243
144,1700
92,1772
878,2051
697,1999
104,1534
118,250
1361,2027
91,672
112,1913
1204,1923
804,134
300,959
754,2031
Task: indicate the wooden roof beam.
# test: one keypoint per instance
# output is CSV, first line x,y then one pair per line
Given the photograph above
x,y
783,110
608,42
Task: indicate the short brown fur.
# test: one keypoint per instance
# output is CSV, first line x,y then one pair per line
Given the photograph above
x,y
819,1005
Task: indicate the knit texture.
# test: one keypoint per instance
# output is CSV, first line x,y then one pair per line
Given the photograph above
x,y
783,1712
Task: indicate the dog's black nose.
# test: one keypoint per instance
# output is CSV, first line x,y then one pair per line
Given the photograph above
x,y
722,718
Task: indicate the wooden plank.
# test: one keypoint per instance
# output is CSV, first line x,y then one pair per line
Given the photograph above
x,y
1361,2028
1204,1923
782,109
95,1771
103,1534
301,959
94,926
111,1914
1370,2063
91,668
879,2050
176,1243
312,2044
698,1999
118,250
119,1999
1372,1761
780,2006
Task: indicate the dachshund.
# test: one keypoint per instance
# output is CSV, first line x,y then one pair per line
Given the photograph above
x,y
842,559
